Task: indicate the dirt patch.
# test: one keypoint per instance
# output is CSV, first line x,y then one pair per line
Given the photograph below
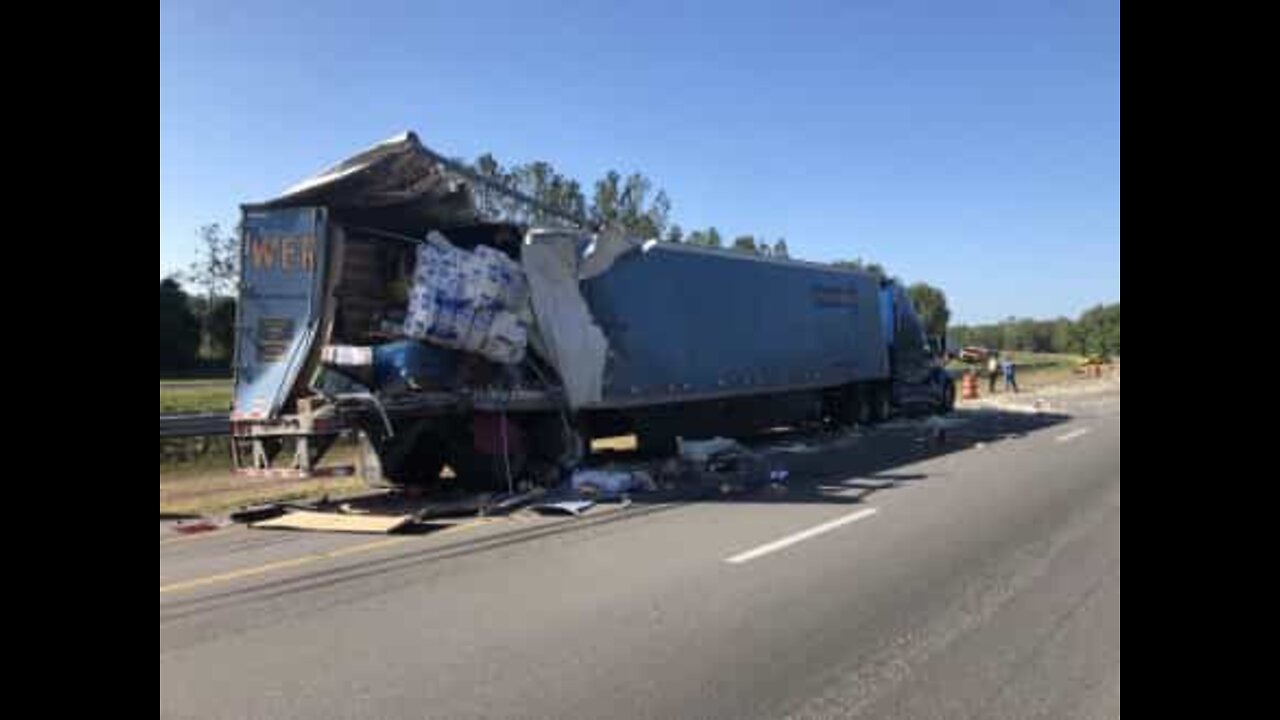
x,y
1041,392
209,486
220,491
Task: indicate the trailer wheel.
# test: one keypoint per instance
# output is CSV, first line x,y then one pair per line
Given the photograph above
x,y
554,443
481,471
478,463
839,407
656,443
413,456
863,399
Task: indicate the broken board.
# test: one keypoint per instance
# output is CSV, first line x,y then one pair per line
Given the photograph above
x,y
335,522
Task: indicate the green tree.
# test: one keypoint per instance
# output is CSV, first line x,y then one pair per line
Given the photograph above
x,y
222,320
179,328
746,243
627,205
566,196
639,216
991,336
931,304
1100,330
553,192
780,248
856,264
675,234
216,272
216,269
1097,331
707,238
1061,337
604,203
487,198
1010,334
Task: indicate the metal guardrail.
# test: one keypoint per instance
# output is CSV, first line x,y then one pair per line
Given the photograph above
x,y
194,424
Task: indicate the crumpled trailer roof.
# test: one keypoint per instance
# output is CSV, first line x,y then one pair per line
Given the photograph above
x,y
402,185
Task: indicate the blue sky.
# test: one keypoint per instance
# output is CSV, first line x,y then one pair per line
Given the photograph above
x,y
973,145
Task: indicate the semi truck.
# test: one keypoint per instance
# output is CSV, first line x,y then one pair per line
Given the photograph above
x,y
386,298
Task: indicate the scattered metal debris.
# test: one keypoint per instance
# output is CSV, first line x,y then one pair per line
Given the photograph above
x,y
564,507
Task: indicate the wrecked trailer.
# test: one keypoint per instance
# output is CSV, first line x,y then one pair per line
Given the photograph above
x,y
388,298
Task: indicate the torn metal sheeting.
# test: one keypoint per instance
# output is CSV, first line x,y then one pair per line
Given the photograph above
x,y
792,448
258,513
509,503
840,490
566,507
576,345
869,483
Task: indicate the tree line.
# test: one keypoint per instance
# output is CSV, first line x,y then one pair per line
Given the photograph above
x,y
629,203
1095,332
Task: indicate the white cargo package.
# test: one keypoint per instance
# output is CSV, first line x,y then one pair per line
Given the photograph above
x,y
506,339
347,355
472,301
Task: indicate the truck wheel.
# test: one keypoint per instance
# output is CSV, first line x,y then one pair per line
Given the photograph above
x,y
948,397
883,404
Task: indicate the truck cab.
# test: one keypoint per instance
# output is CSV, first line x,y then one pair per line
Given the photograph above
x,y
920,381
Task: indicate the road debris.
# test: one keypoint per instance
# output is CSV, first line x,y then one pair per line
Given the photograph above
x,y
611,482
702,451
197,525
564,507
257,513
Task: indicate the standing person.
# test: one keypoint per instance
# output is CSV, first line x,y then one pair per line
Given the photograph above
x,y
1010,374
993,369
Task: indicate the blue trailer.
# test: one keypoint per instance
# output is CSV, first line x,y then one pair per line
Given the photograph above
x,y
384,297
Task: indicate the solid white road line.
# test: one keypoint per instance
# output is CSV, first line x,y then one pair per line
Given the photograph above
x,y
801,536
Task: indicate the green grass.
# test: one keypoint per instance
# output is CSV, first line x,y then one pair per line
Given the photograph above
x,y
1040,362
1028,362
194,454
1034,369
179,396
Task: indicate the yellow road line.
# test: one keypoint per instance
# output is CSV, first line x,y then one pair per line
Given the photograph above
x,y
305,560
